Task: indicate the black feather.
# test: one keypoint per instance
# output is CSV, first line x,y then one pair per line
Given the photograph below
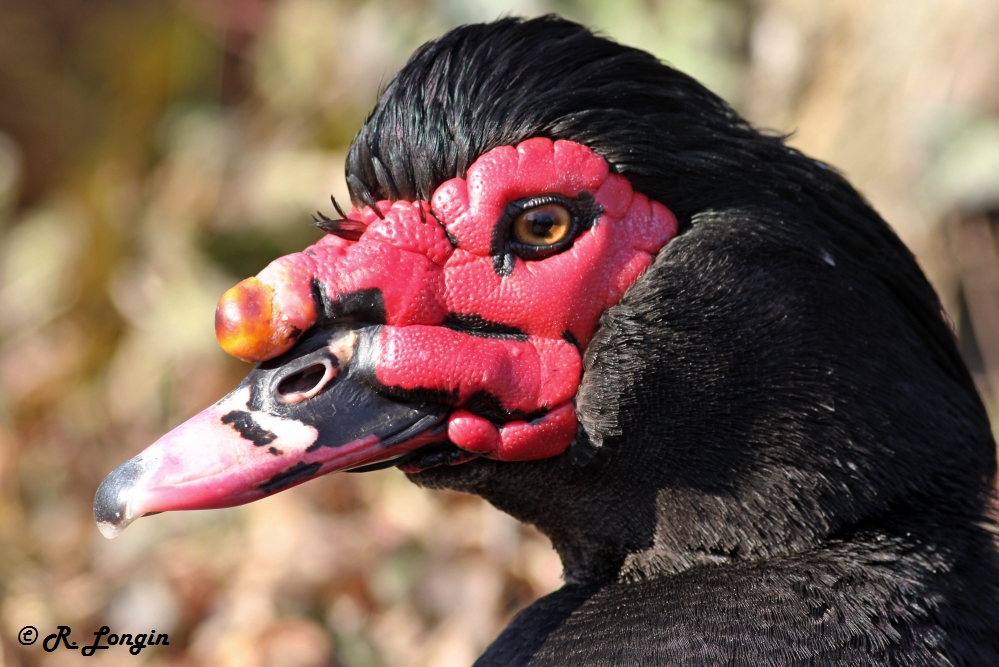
x,y
782,458
345,228
336,207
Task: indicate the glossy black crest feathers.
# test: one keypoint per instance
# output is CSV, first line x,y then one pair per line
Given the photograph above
x,y
783,458
496,84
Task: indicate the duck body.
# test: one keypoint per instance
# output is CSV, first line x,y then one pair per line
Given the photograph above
x,y
791,548
869,601
577,284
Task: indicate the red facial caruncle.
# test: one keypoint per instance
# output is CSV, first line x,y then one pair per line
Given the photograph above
x,y
462,320
457,322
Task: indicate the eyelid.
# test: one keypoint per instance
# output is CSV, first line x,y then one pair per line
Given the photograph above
x,y
583,209
517,207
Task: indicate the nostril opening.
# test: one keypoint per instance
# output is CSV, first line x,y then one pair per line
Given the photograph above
x,y
302,380
305,382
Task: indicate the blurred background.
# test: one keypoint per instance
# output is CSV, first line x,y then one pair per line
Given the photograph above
x,y
154,152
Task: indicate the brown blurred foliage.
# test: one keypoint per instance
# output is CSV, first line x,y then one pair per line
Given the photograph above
x,y
154,152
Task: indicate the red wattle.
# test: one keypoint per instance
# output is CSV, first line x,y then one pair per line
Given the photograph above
x,y
472,432
519,440
541,438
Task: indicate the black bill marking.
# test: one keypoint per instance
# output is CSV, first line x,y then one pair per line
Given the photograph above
x,y
351,408
430,456
250,430
432,423
282,479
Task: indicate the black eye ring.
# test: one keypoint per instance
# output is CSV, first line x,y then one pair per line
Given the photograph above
x,y
583,210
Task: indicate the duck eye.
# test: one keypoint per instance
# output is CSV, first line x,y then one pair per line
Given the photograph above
x,y
542,225
537,227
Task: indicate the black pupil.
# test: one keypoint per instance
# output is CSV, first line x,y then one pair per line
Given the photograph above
x,y
542,223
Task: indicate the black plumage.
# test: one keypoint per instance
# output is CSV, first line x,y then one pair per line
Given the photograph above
x,y
782,459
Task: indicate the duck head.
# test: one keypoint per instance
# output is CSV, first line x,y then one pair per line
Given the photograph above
x,y
576,283
431,332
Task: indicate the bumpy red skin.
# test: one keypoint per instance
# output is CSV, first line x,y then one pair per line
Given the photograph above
x,y
422,278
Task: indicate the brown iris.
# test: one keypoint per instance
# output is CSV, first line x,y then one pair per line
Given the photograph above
x,y
542,225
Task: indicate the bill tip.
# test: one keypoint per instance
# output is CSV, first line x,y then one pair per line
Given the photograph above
x,y
112,510
108,529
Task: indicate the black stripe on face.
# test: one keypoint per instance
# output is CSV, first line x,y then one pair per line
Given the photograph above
x,y
484,404
476,325
366,305
247,428
571,339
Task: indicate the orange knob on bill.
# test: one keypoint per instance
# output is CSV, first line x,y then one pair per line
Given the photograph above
x,y
253,323
243,320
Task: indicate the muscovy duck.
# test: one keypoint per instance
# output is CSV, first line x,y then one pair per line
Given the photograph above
x,y
578,284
